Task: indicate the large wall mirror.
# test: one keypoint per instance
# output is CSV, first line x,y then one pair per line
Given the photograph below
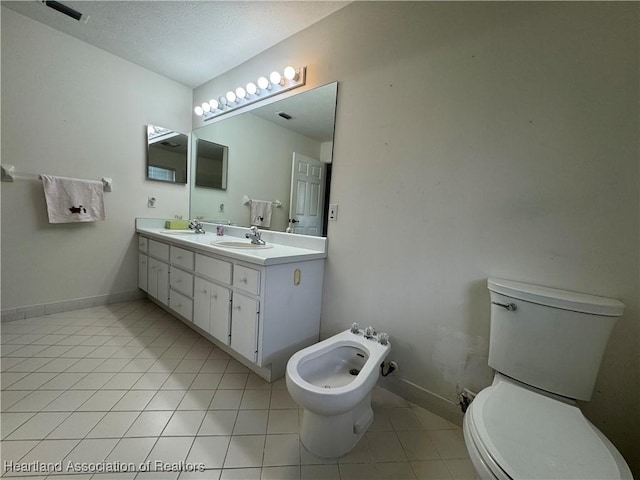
x,y
279,153
167,158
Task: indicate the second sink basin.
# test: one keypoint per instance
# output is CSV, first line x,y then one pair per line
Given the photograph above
x,y
239,244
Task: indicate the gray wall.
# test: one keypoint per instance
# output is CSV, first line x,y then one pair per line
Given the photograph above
x,y
476,140
73,110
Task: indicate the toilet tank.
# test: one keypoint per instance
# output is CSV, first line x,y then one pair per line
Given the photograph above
x,y
548,338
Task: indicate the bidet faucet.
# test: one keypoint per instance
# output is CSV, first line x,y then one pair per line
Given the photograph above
x,y
254,234
196,226
370,332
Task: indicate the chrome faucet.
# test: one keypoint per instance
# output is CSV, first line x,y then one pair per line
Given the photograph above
x,y
370,332
196,226
254,234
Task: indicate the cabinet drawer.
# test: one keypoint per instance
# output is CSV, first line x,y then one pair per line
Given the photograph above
x,y
213,268
182,258
181,280
159,250
246,279
181,304
143,244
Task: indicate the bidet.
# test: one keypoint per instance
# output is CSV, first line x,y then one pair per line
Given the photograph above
x,y
332,381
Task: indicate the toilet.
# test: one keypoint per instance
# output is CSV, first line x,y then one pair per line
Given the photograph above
x,y
545,346
332,382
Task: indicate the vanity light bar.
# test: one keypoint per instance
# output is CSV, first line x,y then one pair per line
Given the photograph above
x,y
264,87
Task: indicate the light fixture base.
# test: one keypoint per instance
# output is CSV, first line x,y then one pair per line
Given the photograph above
x,y
285,85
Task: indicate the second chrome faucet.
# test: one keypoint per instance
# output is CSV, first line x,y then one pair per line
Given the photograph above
x,y
255,236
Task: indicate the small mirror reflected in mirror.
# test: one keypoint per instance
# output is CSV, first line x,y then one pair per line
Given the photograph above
x,y
211,164
166,155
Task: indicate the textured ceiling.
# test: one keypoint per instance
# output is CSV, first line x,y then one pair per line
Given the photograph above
x,y
188,41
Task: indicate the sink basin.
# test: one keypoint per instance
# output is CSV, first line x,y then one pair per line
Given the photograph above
x,y
239,244
178,232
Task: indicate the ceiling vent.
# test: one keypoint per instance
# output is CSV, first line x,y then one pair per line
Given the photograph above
x,y
68,11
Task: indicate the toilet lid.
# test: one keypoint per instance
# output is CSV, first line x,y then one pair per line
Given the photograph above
x,y
533,436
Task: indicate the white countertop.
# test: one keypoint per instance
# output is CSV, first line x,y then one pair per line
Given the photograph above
x,y
278,253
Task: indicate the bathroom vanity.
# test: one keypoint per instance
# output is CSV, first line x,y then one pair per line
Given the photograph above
x,y
259,304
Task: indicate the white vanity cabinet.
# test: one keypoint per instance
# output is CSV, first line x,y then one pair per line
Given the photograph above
x,y
157,269
244,327
212,309
259,313
158,280
143,272
181,281
143,259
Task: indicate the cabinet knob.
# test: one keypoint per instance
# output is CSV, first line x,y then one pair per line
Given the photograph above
x,y
204,292
236,307
214,296
179,280
243,280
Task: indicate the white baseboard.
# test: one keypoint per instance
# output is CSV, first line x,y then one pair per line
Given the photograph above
x,y
19,313
423,398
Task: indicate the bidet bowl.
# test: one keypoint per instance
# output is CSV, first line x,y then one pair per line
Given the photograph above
x,y
318,377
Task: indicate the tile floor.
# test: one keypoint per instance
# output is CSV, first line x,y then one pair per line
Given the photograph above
x,y
119,386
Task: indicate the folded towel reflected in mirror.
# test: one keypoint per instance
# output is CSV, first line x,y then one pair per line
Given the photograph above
x,y
261,213
71,200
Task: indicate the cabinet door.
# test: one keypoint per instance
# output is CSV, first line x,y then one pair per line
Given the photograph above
x,y
244,326
143,273
158,280
163,283
211,309
220,313
152,279
202,304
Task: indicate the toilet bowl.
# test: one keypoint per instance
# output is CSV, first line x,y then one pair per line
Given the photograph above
x,y
332,382
546,346
513,431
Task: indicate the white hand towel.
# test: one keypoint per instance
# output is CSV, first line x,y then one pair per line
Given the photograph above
x,y
72,200
261,213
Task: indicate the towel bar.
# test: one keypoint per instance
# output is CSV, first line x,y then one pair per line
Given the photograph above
x,y
10,175
246,200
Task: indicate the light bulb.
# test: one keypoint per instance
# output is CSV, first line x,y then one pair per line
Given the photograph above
x,y
275,78
222,100
241,92
263,83
206,107
213,103
231,97
198,111
252,88
290,73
